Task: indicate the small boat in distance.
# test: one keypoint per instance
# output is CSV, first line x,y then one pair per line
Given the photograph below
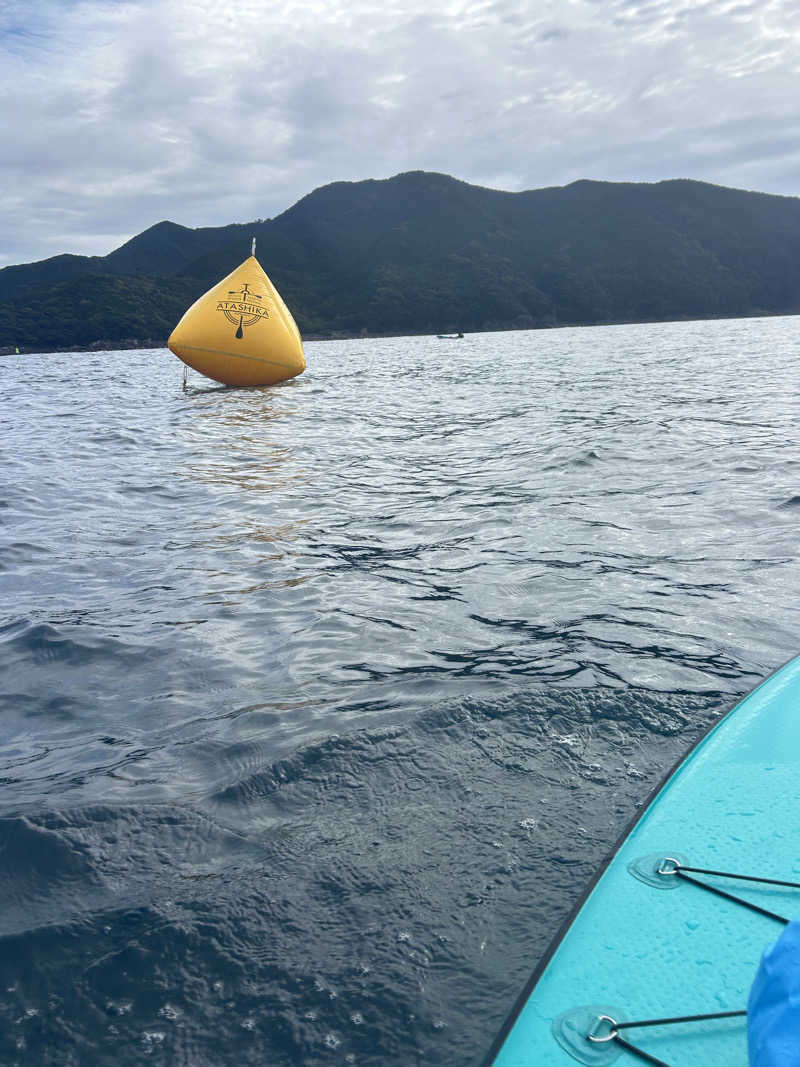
x,y
240,332
449,336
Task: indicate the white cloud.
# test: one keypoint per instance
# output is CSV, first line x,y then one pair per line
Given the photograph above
x,y
118,114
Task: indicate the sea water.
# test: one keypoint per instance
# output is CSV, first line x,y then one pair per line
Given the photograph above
x,y
320,704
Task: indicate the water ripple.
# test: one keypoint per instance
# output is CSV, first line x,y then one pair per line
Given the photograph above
x,y
321,703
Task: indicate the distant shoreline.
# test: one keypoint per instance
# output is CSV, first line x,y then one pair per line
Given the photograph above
x,y
153,343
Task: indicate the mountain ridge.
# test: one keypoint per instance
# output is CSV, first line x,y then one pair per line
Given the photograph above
x,y
425,252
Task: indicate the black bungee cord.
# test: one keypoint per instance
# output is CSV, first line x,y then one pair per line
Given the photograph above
x,y
671,867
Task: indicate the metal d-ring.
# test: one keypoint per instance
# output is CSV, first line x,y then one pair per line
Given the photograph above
x,y
672,870
612,1033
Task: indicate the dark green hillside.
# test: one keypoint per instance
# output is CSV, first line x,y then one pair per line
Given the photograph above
x,y
426,253
98,308
164,249
160,251
23,282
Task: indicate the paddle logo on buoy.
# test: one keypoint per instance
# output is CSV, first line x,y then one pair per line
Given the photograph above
x,y
243,312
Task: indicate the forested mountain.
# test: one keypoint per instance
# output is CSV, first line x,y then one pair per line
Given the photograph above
x,y
423,252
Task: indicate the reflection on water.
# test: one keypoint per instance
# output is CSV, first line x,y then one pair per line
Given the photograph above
x,y
307,692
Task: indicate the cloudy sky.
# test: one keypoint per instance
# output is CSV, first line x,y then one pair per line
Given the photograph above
x,y
116,114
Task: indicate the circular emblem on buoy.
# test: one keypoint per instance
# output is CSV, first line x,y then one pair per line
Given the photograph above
x,y
244,311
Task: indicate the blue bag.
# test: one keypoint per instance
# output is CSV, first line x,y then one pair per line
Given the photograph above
x,y
773,1008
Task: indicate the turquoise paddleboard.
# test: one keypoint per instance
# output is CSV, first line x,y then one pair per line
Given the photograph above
x,y
645,945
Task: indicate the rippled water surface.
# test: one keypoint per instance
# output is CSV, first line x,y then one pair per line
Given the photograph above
x,y
320,704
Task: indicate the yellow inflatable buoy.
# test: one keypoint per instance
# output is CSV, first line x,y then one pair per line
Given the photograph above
x,y
241,332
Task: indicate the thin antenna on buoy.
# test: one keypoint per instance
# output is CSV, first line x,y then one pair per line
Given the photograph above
x,y
253,248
